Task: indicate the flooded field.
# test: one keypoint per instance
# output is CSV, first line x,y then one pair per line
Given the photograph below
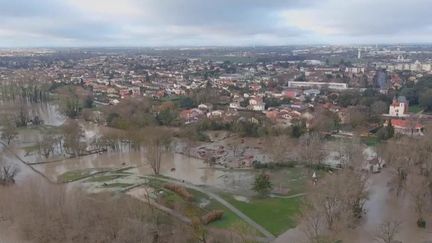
x,y
231,173
48,112
384,205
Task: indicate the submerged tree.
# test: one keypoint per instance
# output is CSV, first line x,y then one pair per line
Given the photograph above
x,y
314,226
8,173
388,230
72,134
9,130
47,145
311,149
340,198
157,141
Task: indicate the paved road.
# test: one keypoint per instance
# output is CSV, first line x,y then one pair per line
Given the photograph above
x,y
244,217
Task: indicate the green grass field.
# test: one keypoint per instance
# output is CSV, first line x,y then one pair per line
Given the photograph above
x,y
370,141
228,221
415,109
104,178
275,214
75,175
293,179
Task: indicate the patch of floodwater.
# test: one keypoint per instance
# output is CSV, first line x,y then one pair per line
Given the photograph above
x,y
241,198
370,153
104,160
384,205
142,193
49,113
46,111
204,203
24,172
173,165
196,172
333,157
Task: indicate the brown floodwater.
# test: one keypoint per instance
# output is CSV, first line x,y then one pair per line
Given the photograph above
x,y
382,205
46,111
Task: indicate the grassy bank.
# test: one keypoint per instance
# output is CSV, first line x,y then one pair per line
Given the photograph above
x,y
275,214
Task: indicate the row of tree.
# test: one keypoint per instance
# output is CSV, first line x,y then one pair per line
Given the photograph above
x,y
44,213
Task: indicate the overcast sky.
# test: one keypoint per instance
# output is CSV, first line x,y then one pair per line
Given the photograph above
x,y
212,22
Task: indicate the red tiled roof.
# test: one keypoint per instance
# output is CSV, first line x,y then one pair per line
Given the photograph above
x,y
403,123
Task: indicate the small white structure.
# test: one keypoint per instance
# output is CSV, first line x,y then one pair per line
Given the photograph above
x,y
319,85
256,104
399,107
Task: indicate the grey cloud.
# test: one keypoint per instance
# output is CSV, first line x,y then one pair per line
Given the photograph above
x,y
208,22
378,17
240,16
32,8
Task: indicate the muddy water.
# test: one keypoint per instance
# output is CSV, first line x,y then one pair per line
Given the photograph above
x,y
384,205
48,112
173,165
381,206
23,171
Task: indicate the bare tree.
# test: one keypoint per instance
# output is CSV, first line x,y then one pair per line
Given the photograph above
x,y
278,147
311,150
314,226
9,130
157,141
72,134
50,214
8,173
419,193
410,161
388,230
351,153
47,145
235,146
401,156
340,198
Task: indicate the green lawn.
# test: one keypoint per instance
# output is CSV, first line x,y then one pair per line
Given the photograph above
x,y
228,221
370,141
75,175
415,109
294,179
31,148
275,214
104,178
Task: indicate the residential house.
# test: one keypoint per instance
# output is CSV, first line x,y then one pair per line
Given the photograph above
x,y
256,104
191,115
406,127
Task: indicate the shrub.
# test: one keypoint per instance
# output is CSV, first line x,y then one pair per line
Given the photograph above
x,y
421,223
179,190
212,216
262,184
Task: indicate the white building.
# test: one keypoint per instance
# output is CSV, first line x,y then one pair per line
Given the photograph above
x,y
399,107
301,84
256,104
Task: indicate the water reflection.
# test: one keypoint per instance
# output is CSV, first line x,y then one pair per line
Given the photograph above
x,y
46,111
